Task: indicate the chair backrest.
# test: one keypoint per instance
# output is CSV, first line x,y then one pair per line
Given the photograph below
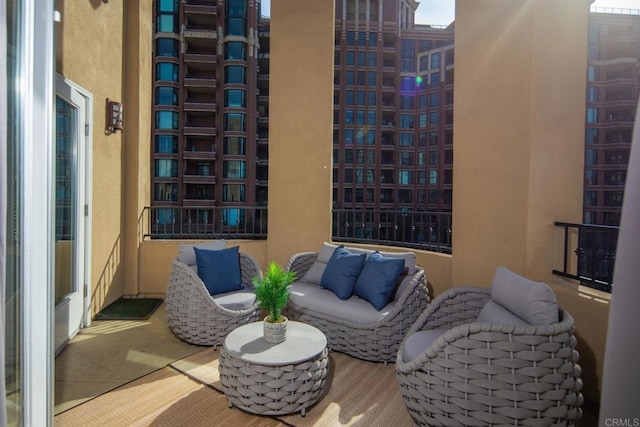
x,y
187,255
520,301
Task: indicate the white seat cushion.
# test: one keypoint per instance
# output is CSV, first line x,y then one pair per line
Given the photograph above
x,y
237,300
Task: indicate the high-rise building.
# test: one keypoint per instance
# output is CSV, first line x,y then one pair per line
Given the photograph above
x,y
613,85
393,115
393,123
209,108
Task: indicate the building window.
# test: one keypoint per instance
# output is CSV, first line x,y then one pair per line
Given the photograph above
x,y
422,102
372,98
405,196
360,97
236,26
435,79
235,50
433,177
166,95
165,192
435,60
422,158
433,137
591,157
373,59
234,145
167,71
405,177
348,117
406,158
433,157
406,140
350,78
406,121
167,23
233,193
592,115
351,38
167,47
407,102
349,97
361,78
362,58
166,168
371,117
434,118
434,100
424,63
235,122
234,169
351,57
235,74
371,137
422,120
166,120
592,136
235,98
433,196
422,177
348,136
166,144
348,176
408,84
203,169
362,38
613,198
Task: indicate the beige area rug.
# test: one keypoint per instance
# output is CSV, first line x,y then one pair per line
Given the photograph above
x,y
162,398
188,393
357,393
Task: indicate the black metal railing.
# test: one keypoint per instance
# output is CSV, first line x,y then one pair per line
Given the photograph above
x,y
430,231
230,222
589,254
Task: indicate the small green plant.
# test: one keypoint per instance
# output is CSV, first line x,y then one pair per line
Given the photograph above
x,y
272,291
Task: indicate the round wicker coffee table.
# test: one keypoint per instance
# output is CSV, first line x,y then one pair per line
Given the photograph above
x,y
274,379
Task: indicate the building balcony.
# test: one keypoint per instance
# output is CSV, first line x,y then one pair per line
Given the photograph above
x,y
192,32
200,7
198,203
208,58
201,106
199,155
199,179
199,130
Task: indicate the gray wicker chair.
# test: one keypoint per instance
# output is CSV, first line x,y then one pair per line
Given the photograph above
x,y
378,341
481,373
195,316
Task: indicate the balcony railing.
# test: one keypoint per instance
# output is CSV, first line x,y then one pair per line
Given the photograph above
x,y
430,231
589,254
228,222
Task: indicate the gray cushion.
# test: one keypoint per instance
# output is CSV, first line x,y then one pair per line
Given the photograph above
x,y
238,300
533,302
418,342
314,274
493,312
187,255
311,297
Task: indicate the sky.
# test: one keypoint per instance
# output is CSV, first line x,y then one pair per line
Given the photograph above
x,y
441,12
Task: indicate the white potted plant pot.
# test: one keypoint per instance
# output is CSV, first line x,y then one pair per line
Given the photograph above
x,y
274,332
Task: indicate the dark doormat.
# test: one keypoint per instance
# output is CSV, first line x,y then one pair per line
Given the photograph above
x,y
129,309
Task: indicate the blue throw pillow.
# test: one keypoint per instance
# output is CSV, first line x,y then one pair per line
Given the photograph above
x,y
342,271
219,270
378,279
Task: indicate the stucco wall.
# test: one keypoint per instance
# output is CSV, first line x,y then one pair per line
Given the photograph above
x,y
520,82
93,42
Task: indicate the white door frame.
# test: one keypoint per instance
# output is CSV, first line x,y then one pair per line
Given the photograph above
x,y
67,89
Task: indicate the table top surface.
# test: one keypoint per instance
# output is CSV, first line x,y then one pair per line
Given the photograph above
x,y
303,343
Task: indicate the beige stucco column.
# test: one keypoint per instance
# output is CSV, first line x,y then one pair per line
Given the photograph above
x,y
136,189
518,134
300,126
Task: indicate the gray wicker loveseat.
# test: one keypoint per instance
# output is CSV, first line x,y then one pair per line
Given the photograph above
x,y
353,326
499,356
194,314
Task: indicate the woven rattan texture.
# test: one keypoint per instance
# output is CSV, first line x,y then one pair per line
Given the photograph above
x,y
377,342
273,390
192,313
491,374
